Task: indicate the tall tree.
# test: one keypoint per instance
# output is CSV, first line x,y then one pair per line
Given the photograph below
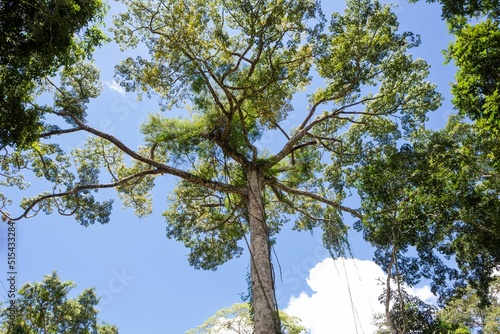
x,y
44,307
426,202
38,37
238,65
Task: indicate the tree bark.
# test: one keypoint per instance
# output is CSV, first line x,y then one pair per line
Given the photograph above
x,y
388,316
264,305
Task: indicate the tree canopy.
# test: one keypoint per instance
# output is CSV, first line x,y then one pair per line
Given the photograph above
x,y
44,307
468,8
469,312
464,314
439,198
437,194
476,92
237,67
475,51
38,37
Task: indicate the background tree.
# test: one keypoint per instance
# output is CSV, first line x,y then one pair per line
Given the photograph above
x,y
409,314
237,319
476,92
44,307
238,65
476,52
438,198
469,311
468,8
38,37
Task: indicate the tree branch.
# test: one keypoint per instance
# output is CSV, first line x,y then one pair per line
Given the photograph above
x,y
304,129
298,147
218,186
273,182
79,188
60,132
290,204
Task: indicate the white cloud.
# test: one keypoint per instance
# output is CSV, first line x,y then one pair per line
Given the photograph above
x,y
329,310
424,293
116,87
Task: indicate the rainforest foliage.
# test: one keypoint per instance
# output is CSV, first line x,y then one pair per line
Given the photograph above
x,y
343,96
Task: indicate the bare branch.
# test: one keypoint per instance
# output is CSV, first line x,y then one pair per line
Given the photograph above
x,y
298,147
305,128
60,132
311,113
290,203
274,182
282,131
324,138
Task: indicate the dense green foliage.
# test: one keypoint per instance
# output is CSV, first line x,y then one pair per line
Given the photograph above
x,y
464,314
238,66
468,8
44,307
427,198
476,53
439,198
409,314
468,310
38,37
438,194
476,92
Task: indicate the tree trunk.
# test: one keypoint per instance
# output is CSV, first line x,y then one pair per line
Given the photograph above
x,y
388,316
264,305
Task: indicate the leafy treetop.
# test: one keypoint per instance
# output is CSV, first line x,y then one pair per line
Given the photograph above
x,y
44,307
38,37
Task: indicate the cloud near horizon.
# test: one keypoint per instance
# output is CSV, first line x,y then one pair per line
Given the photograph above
x,y
335,284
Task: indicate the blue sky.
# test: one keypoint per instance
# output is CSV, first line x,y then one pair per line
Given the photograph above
x,y
144,279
